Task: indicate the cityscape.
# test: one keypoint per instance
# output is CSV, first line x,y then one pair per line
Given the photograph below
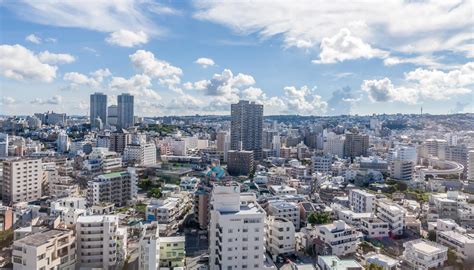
x,y
362,161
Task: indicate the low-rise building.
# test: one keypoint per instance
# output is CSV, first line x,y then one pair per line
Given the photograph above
x,y
119,188
53,249
172,252
286,210
361,201
373,227
422,254
340,238
279,236
149,258
393,214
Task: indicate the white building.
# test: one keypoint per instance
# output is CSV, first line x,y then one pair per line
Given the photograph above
x,y
401,169
286,210
236,230
3,145
102,160
53,249
100,241
22,180
279,236
63,186
149,258
361,201
423,255
63,142
450,234
142,154
334,145
282,190
341,238
321,164
374,227
470,165
393,214
119,188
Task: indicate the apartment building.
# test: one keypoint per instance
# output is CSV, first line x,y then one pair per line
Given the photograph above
x,y
236,230
423,255
279,236
340,239
22,180
52,249
149,258
401,169
100,242
168,211
286,210
119,188
393,214
102,160
321,164
361,201
142,154
172,252
373,227
450,234
240,162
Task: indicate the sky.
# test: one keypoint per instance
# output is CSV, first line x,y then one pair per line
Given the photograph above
x,y
198,57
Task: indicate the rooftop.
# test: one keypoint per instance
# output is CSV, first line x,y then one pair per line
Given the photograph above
x,y
40,238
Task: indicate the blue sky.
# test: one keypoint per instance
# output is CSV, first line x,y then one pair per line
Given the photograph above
x,y
181,58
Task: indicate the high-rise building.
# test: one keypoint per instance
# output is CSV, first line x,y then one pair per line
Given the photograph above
x,y
119,140
223,143
63,142
401,169
149,258
101,243
356,145
125,110
470,165
334,145
142,154
98,108
112,115
236,230
240,162
21,180
3,145
247,127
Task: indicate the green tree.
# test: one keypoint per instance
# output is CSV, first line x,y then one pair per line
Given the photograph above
x,y
145,184
432,236
402,186
374,266
154,193
319,218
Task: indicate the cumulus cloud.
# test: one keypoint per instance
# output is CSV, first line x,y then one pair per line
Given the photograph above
x,y
55,100
205,62
303,101
146,62
56,58
422,60
94,80
341,101
423,84
7,101
125,38
33,39
138,85
306,23
343,46
19,63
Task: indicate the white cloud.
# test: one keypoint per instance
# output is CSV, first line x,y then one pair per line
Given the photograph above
x,y
7,101
138,85
306,23
33,39
423,84
199,85
94,80
146,62
343,46
100,74
205,62
56,58
421,60
303,101
19,63
125,38
55,100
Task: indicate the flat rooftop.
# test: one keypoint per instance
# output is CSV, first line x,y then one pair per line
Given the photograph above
x,y
40,238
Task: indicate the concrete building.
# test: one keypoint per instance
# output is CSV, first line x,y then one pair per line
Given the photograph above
x,y
286,210
361,201
172,252
423,255
356,145
223,143
100,242
63,142
125,110
436,148
321,164
247,127
236,230
119,188
112,115
335,263
142,154
6,218
279,236
149,258
240,162
102,160
119,140
340,238
393,214
22,180
53,249
334,145
374,227
470,165
451,235
98,108
3,145
401,170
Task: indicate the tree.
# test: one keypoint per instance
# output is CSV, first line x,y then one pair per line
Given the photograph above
x,y
374,266
402,186
145,184
432,236
154,193
319,218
